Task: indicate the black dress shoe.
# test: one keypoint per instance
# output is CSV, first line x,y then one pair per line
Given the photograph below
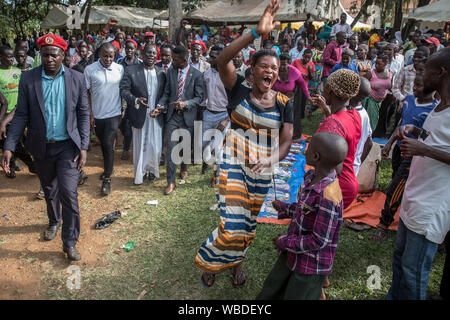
x,y
72,253
205,167
51,231
12,172
125,155
106,187
151,177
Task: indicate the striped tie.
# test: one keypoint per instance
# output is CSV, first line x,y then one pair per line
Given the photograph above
x,y
180,85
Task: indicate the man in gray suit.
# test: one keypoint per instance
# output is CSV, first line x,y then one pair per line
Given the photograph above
x,y
182,94
53,105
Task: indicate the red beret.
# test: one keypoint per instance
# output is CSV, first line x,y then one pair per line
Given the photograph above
x,y
432,40
149,34
116,44
132,41
199,42
52,40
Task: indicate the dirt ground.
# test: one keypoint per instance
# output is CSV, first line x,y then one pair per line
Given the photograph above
x,y
25,257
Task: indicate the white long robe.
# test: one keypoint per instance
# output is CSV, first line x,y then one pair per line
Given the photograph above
x,y
147,142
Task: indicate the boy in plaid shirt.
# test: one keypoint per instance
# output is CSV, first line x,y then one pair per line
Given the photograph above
x,y
306,252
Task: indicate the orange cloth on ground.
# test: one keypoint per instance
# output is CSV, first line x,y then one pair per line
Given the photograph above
x,y
369,211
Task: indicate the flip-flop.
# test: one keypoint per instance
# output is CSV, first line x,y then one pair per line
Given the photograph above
x,y
236,278
209,276
357,226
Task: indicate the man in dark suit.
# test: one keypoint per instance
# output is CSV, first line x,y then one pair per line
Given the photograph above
x,y
53,105
141,87
182,95
165,53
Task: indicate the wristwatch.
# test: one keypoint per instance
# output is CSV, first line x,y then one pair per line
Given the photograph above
x,y
423,134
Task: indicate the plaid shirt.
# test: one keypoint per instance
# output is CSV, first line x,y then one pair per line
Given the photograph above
x,y
404,82
313,233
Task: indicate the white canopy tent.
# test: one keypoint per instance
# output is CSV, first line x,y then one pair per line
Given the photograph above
x,y
359,25
128,17
250,11
438,11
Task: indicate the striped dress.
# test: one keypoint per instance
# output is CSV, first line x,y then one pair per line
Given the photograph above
x,y
240,192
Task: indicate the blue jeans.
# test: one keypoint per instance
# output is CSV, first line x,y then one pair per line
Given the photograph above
x,y
411,264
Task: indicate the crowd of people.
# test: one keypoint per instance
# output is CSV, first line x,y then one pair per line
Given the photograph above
x,y
156,90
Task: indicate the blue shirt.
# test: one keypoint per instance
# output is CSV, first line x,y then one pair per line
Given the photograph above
x,y
55,105
352,66
415,113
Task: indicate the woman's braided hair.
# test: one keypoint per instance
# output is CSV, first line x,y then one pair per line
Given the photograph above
x,y
344,83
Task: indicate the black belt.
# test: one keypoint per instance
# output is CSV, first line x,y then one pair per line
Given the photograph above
x,y
216,112
54,141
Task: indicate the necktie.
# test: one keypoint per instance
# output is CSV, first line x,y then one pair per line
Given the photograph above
x,y
180,85
165,68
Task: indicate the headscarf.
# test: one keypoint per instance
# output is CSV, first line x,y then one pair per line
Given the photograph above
x,y
344,83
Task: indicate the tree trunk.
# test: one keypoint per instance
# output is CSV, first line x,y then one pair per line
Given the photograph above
x,y
410,25
363,9
175,16
86,17
398,17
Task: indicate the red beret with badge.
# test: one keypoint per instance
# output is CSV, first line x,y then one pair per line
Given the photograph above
x,y
52,40
199,42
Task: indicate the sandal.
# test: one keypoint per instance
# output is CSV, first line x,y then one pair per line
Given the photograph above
x,y
379,235
236,279
210,278
357,226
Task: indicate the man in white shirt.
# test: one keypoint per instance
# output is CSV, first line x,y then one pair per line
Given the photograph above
x,y
365,142
297,52
342,26
425,208
238,62
102,81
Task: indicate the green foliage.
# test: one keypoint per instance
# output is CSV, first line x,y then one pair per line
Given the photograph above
x,y
21,17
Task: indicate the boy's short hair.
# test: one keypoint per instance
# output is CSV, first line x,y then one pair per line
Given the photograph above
x,y
331,147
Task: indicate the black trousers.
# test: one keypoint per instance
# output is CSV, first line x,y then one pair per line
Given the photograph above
x,y
395,192
106,131
20,153
387,109
59,176
299,113
176,122
125,128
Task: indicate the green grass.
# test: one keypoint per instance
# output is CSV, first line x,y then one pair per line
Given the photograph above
x,y
167,238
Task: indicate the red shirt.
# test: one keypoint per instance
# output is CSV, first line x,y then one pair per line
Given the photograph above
x,y
303,69
347,124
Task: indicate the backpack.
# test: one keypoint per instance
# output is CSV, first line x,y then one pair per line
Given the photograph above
x,y
368,172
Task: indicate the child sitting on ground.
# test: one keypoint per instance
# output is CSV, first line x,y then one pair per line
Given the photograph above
x,y
306,252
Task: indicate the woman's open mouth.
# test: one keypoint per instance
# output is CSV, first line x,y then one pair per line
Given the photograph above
x,y
267,81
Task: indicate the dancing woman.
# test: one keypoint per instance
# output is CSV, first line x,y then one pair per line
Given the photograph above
x,y
244,174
